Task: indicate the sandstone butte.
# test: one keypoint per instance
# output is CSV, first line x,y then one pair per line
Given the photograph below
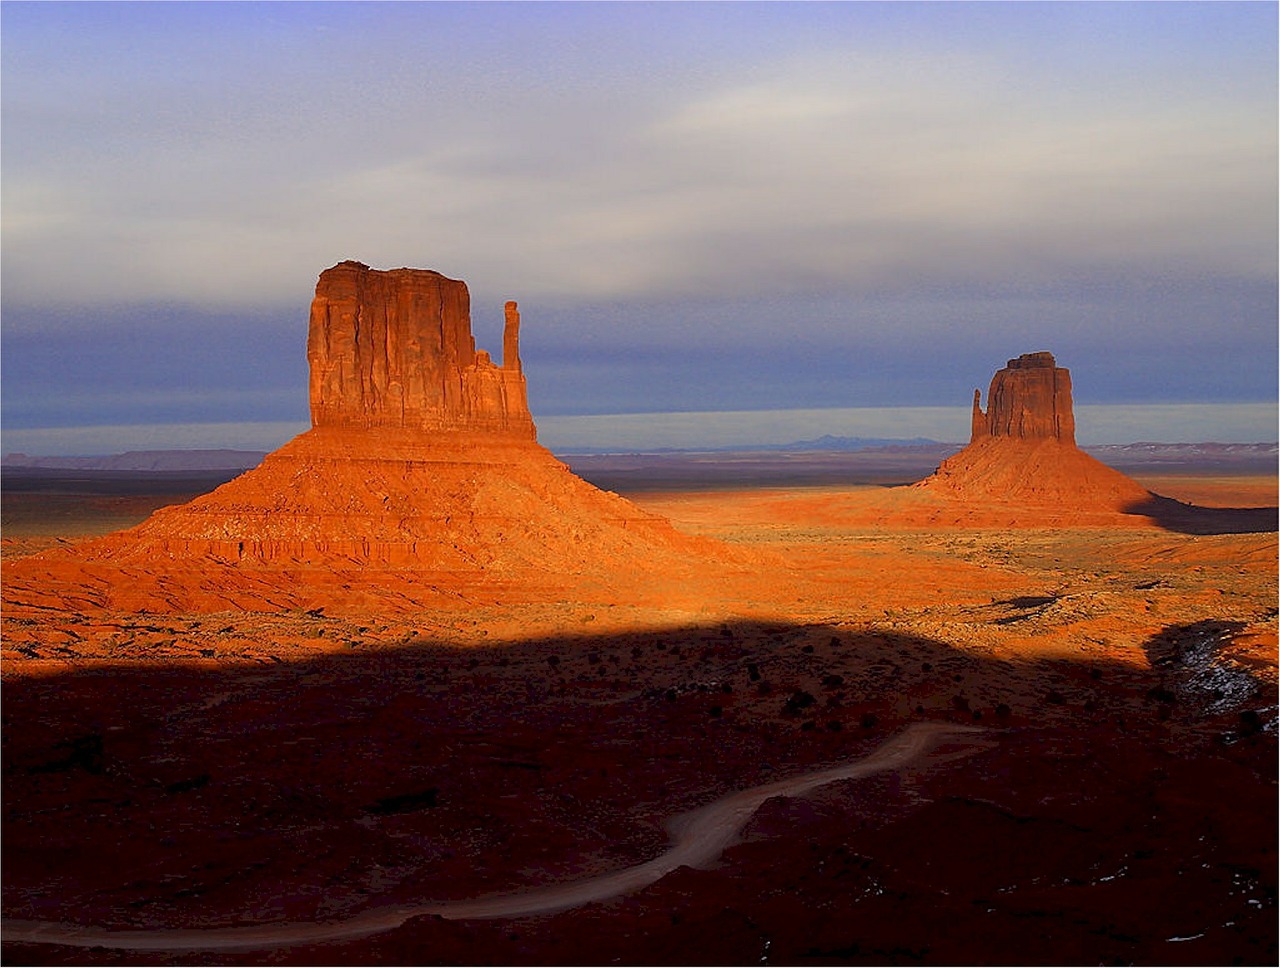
x,y
1022,450
420,480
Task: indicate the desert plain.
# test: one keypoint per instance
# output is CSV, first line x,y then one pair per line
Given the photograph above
x,y
217,769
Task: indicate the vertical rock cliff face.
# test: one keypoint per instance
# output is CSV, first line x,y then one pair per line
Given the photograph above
x,y
1030,399
394,349
420,481
1023,447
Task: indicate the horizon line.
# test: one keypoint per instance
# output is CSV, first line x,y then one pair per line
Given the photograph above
x,y
1097,424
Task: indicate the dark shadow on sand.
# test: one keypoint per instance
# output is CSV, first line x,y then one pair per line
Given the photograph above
x,y
303,789
1192,519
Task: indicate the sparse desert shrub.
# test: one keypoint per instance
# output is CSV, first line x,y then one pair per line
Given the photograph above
x,y
799,700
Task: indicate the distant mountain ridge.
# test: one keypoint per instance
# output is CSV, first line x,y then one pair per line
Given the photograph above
x,y
180,461
1156,452
149,461
827,442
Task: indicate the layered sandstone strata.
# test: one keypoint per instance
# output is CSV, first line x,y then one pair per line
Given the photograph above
x,y
420,478
1023,451
1030,399
394,349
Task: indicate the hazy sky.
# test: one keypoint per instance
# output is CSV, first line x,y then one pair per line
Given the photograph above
x,y
700,207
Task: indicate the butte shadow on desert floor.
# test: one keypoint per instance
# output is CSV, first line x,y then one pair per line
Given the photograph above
x,y
1108,818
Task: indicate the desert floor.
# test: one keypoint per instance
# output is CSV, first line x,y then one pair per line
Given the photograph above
x,y
230,769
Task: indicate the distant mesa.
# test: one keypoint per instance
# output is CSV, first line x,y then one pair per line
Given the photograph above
x,y
1023,451
420,480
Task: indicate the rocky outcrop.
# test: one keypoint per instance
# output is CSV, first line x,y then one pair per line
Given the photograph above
x,y
1030,399
394,349
420,483
1022,449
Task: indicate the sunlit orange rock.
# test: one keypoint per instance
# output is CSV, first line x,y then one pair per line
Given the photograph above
x,y
394,349
1030,399
421,479
1022,449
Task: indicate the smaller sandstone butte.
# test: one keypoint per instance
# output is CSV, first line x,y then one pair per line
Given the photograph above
x,y
394,349
1023,448
1029,399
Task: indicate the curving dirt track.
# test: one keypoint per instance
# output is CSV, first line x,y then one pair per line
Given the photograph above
x,y
699,837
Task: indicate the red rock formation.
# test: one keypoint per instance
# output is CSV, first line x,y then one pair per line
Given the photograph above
x,y
394,349
1023,451
420,479
1030,399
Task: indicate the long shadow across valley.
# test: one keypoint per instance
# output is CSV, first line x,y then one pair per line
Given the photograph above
x,y
1114,818
1192,519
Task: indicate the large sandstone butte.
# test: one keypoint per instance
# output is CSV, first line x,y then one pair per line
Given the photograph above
x,y
394,349
1023,448
421,480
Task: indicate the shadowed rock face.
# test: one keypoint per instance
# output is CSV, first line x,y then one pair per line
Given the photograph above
x,y
394,349
1030,399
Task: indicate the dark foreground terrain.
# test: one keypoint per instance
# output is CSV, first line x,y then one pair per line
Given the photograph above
x,y
1114,818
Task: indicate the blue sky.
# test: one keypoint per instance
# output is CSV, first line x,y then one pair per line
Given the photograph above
x,y
700,207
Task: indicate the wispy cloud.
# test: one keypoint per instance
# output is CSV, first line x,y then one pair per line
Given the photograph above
x,y
697,205
830,168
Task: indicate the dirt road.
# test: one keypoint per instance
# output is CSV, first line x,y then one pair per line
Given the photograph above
x,y
698,838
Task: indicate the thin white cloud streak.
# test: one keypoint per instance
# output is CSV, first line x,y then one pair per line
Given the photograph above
x,y
1096,424
816,173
